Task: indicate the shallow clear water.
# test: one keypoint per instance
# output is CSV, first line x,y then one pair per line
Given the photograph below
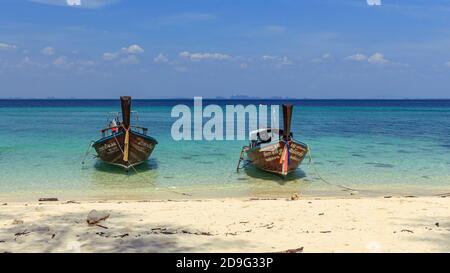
x,y
373,146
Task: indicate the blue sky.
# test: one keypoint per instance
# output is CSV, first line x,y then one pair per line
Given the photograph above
x,y
166,49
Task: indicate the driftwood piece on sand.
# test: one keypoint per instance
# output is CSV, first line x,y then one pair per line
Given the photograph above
x,y
96,216
46,199
17,222
293,250
407,230
25,232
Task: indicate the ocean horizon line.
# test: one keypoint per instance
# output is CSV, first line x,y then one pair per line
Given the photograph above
x,y
232,99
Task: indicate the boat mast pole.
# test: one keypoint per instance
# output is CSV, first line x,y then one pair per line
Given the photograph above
x,y
125,102
287,119
285,155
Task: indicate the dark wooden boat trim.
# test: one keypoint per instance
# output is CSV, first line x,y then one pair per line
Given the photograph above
x,y
304,145
121,133
107,138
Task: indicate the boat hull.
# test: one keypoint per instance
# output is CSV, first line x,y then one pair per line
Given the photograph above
x,y
110,149
267,157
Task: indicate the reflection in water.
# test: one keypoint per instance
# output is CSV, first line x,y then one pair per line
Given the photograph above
x,y
259,182
151,164
380,165
139,182
254,172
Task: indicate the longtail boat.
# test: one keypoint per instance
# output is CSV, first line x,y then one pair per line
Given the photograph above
x,y
123,144
274,150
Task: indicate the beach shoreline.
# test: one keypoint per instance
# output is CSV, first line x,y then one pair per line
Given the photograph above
x,y
314,224
318,190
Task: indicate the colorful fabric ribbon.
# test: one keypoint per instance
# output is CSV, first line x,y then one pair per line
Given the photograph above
x,y
285,158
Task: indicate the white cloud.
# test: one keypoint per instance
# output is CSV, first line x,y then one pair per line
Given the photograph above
x,y
81,65
268,57
447,64
133,49
48,51
278,60
204,56
29,63
4,46
90,4
131,59
243,65
110,56
377,58
60,61
130,50
285,61
73,2
161,58
357,57
374,2
324,57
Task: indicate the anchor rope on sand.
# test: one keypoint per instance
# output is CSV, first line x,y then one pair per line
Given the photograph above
x,y
311,163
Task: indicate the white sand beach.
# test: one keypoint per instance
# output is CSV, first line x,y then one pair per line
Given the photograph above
x,y
394,224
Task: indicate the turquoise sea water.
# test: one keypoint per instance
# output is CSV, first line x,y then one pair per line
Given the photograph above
x,y
377,147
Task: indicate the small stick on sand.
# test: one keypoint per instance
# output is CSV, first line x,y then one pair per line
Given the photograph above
x,y
50,199
294,250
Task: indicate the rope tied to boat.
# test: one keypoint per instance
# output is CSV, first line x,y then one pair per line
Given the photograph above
x,y
87,152
311,163
241,158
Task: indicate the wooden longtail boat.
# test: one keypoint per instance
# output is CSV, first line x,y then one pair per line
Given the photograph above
x,y
123,144
275,150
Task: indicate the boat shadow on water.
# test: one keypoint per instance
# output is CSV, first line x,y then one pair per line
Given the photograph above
x,y
151,164
297,175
